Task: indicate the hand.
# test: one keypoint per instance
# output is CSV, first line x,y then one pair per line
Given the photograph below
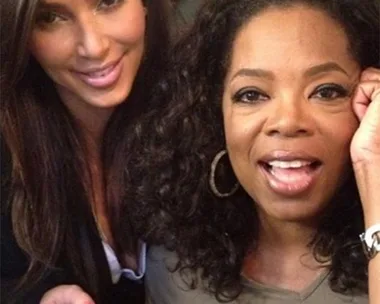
x,y
66,294
365,145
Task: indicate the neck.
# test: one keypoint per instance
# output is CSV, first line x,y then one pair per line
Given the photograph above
x,y
92,121
91,118
285,236
282,256
93,124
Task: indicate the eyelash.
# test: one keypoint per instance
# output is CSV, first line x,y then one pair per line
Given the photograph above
x,y
51,17
245,95
336,90
114,4
45,18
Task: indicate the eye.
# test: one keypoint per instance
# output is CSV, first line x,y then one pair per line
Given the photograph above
x,y
48,17
330,91
249,95
108,4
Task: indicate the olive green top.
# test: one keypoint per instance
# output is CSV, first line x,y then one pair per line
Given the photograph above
x,y
166,287
187,9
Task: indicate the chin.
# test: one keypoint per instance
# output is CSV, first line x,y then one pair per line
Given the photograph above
x,y
296,211
296,216
109,100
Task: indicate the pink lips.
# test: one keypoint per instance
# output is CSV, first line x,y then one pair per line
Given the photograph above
x,y
290,173
101,78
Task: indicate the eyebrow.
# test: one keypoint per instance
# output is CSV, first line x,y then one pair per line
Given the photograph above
x,y
51,5
260,73
312,71
323,68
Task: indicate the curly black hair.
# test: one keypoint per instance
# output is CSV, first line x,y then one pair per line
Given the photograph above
x,y
183,131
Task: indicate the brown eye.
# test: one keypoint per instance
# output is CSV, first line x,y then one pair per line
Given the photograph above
x,y
107,4
249,95
48,17
330,92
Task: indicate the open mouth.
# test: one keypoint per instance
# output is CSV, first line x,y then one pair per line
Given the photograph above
x,y
102,78
291,177
290,165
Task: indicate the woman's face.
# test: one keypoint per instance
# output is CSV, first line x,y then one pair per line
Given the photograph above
x,y
287,111
91,49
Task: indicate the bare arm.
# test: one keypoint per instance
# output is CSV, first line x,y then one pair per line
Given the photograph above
x,y
365,154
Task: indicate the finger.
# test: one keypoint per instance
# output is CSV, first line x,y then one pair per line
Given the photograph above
x,y
66,294
79,297
370,74
365,93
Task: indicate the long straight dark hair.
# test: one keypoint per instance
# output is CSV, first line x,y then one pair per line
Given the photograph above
x,y
48,179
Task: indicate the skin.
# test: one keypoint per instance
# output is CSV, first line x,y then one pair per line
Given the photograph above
x,y
292,113
363,106
76,37
365,154
288,108
66,294
73,37
82,35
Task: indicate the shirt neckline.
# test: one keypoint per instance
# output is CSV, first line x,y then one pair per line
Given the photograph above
x,y
117,271
282,293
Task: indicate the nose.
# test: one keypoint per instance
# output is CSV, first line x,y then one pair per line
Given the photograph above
x,y
289,117
93,43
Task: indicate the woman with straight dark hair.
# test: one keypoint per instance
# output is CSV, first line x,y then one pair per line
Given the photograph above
x,y
75,77
264,160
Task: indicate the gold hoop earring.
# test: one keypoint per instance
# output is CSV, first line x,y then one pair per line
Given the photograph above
x,y
212,183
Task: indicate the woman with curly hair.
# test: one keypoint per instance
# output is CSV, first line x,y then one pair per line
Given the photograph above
x,y
75,76
262,157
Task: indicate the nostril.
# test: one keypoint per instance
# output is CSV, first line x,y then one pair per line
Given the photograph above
x,y
272,132
288,132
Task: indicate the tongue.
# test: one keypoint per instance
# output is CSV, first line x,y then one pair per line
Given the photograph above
x,y
292,175
291,181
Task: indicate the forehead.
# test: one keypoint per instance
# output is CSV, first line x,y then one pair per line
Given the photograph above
x,y
290,36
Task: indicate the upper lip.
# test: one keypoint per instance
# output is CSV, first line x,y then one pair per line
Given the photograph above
x,y
285,155
98,69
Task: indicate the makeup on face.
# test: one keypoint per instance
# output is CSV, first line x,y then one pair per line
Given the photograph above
x,y
92,50
287,110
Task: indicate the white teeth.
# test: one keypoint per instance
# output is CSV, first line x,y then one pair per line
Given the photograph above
x,y
98,74
289,164
101,73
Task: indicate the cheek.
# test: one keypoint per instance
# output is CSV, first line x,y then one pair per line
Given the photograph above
x,y
131,30
238,135
339,131
131,35
241,130
51,51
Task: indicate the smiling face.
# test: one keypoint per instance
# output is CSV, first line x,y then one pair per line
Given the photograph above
x,y
90,49
287,112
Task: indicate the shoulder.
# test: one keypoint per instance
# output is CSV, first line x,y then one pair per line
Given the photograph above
x,y
5,173
321,292
188,9
13,261
164,285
